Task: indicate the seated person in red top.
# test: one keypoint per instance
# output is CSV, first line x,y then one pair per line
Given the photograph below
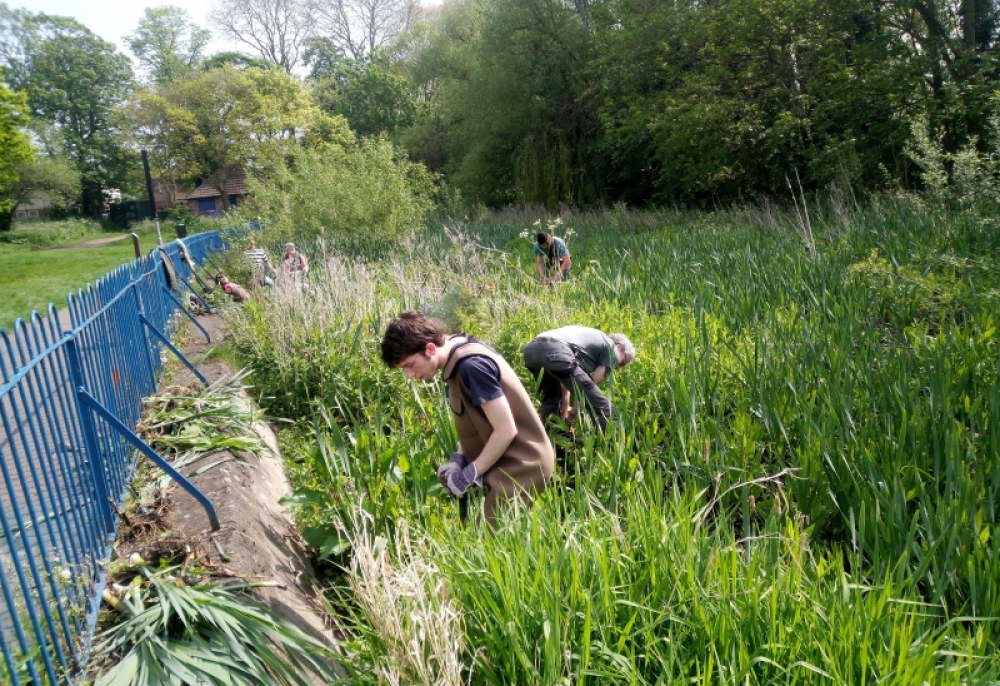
x,y
235,291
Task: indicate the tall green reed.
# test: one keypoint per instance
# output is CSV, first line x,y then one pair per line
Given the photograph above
x,y
757,357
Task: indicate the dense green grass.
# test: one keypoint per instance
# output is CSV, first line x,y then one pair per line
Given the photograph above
x,y
801,486
32,278
36,267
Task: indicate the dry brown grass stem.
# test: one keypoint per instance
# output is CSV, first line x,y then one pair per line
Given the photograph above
x,y
407,602
342,289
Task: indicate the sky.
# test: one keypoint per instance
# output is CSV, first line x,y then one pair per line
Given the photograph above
x,y
112,20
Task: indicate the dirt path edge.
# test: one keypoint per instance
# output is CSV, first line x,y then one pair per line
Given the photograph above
x,y
256,534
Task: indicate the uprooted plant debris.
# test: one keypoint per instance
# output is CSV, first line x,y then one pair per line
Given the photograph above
x,y
164,628
185,423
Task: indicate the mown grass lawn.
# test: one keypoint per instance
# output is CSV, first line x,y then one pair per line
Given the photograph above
x,y
32,278
37,267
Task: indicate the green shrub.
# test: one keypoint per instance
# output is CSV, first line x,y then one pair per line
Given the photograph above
x,y
969,177
181,213
364,196
913,294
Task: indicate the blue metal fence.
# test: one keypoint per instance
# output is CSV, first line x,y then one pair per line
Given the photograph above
x,y
64,463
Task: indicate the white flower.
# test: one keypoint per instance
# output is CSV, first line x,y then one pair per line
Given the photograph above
x,y
537,222
525,234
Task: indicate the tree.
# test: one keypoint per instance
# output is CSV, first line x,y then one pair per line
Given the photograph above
x,y
73,80
213,123
723,100
511,91
145,119
275,29
959,66
359,27
236,60
368,92
55,177
14,148
167,44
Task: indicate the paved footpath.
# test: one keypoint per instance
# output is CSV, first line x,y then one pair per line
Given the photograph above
x,y
92,243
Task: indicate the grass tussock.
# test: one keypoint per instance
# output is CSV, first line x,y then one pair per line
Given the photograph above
x,y
405,598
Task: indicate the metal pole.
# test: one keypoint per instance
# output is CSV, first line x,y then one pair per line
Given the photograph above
x,y
152,198
135,244
94,456
92,403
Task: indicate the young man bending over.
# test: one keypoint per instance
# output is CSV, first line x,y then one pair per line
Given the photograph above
x,y
501,441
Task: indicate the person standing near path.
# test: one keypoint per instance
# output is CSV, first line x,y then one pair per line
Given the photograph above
x,y
551,258
501,440
574,360
260,264
294,266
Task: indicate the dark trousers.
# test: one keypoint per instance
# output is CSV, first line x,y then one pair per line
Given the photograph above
x,y
555,366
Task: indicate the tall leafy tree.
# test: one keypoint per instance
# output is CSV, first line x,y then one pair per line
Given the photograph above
x,y
167,43
73,80
958,62
506,111
521,122
369,92
14,149
436,54
215,122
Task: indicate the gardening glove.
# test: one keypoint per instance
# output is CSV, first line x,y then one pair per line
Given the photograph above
x,y
455,463
460,481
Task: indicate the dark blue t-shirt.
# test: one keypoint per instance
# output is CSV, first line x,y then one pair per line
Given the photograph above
x,y
482,377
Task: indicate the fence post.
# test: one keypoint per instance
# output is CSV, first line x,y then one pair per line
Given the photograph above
x,y
140,310
89,429
166,341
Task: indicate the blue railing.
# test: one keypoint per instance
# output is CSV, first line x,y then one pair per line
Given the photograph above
x,y
71,386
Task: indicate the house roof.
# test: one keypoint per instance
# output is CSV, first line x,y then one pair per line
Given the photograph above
x,y
235,185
